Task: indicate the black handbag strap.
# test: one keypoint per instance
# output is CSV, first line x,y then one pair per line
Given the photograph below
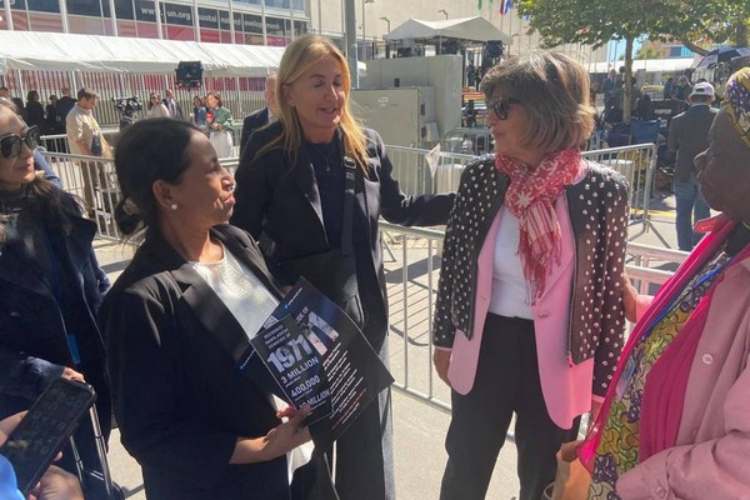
x,y
351,172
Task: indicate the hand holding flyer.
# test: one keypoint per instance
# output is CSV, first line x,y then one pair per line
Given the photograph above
x,y
320,358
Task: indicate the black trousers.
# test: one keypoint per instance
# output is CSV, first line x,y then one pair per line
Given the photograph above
x,y
507,381
364,454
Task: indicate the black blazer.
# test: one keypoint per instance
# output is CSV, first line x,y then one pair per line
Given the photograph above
x,y
252,123
280,199
598,207
180,401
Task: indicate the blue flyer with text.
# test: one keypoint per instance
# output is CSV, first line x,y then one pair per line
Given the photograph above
x,y
319,357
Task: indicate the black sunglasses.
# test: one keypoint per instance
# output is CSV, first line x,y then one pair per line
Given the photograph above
x,y
10,145
501,107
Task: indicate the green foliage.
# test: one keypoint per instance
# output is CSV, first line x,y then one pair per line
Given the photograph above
x,y
596,22
646,52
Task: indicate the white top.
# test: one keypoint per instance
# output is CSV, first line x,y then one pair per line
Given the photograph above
x,y
511,294
158,111
246,297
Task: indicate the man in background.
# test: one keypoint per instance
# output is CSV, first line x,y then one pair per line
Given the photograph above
x,y
262,117
688,136
63,106
174,108
85,138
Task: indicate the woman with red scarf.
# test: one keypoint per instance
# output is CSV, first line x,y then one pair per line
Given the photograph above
x,y
530,313
676,420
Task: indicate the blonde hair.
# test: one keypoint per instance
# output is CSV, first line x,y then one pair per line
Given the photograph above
x,y
299,57
555,92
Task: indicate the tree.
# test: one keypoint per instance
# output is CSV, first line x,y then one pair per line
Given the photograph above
x,y
596,22
715,22
648,52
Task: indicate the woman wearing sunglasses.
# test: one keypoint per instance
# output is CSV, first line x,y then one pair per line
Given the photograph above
x,y
50,287
529,316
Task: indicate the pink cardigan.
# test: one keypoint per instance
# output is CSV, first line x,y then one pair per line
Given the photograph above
x,y
567,388
712,457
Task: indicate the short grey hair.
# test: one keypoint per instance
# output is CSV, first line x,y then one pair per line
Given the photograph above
x,y
554,90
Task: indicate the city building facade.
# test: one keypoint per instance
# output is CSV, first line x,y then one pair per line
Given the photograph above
x,y
265,22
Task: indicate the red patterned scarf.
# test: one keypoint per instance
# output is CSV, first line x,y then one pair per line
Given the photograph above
x,y
531,198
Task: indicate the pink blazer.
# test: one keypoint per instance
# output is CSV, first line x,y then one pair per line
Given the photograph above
x,y
567,388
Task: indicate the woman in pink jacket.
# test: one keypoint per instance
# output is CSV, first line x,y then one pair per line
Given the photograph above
x,y
676,420
529,316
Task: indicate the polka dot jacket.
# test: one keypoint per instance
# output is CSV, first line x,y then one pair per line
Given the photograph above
x,y
598,208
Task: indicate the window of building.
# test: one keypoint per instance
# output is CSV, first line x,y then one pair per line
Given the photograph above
x,y
145,11
253,24
275,26
179,15
18,5
279,4
124,9
300,27
224,20
44,5
208,18
238,28
253,2
95,8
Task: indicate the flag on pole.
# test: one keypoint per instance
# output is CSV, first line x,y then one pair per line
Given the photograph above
x,y
505,6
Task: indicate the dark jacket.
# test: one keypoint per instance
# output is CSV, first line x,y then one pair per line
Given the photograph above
x,y
179,398
50,120
177,108
34,346
35,115
280,200
64,105
598,207
252,123
688,136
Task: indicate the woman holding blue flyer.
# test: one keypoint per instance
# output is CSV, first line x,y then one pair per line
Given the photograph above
x,y
200,425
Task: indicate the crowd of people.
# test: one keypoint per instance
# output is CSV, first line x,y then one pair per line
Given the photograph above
x,y
49,118
531,307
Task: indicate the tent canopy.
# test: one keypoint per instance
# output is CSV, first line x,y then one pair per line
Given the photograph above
x,y
56,51
649,65
475,29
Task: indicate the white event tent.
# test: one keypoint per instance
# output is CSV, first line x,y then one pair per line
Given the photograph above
x,y
23,50
475,29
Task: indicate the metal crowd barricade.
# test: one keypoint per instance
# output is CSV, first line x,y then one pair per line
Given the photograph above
x,y
415,176
94,182
412,280
58,143
637,163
